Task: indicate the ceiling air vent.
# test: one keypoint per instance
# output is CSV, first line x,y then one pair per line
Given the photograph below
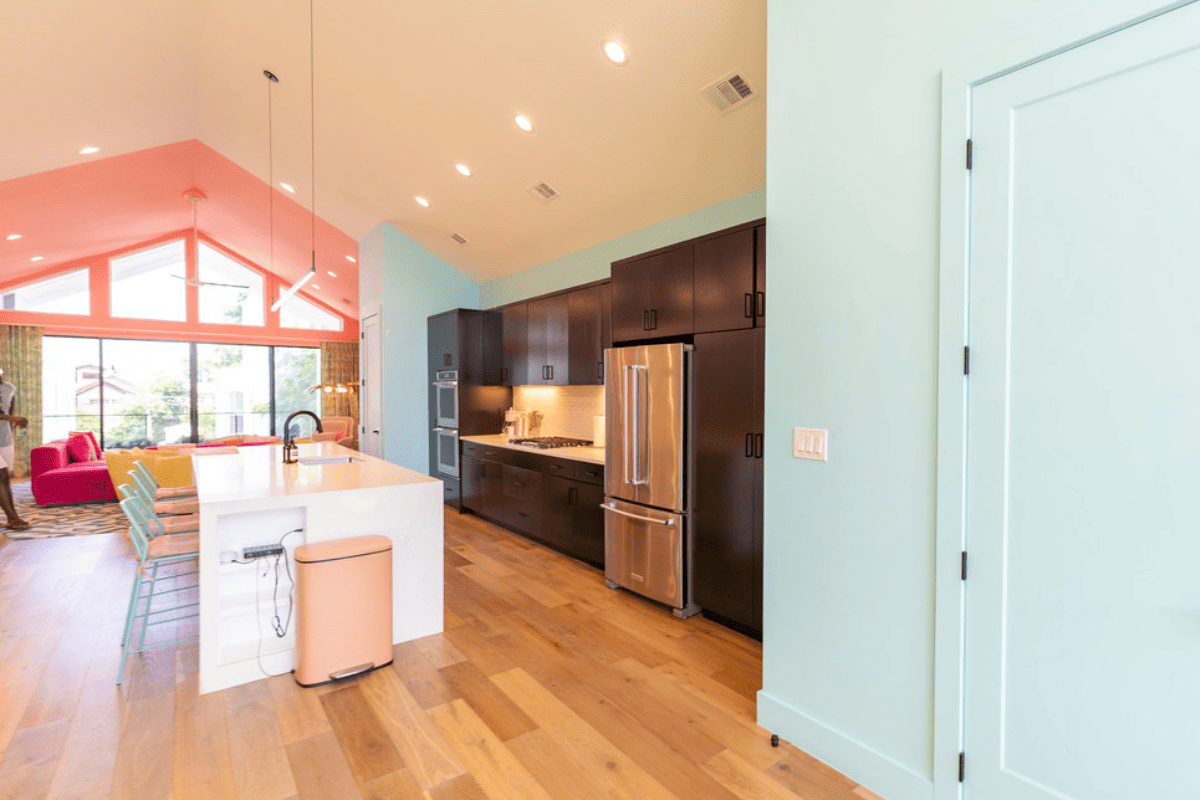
x,y
543,191
458,238
729,92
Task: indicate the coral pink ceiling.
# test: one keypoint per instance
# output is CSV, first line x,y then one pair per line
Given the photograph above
x,y
112,203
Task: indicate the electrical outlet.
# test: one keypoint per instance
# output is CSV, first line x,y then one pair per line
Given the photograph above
x,y
262,551
810,443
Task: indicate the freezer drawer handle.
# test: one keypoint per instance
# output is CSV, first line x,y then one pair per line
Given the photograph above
x,y
616,510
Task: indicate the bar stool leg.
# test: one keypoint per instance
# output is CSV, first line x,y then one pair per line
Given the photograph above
x,y
149,599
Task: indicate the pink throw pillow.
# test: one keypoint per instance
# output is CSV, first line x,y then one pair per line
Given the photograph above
x,y
80,448
91,438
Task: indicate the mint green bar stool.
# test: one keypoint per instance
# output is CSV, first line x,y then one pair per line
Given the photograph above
x,y
159,492
155,551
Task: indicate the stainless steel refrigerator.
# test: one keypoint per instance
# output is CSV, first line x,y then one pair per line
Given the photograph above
x,y
648,457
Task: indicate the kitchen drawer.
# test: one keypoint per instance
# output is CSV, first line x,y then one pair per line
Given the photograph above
x,y
523,515
562,467
487,452
451,491
522,484
588,473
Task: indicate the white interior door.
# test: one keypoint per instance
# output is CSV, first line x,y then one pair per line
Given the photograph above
x,y
1082,608
371,435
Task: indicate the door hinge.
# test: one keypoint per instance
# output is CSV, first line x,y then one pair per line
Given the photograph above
x,y
969,154
966,361
962,767
964,565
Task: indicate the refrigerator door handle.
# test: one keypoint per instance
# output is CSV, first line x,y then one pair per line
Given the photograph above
x,y
615,510
626,383
639,426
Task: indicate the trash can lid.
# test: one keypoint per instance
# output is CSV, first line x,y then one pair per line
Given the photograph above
x,y
335,549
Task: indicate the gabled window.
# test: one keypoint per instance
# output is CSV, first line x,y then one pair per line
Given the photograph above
x,y
230,293
66,293
151,283
299,313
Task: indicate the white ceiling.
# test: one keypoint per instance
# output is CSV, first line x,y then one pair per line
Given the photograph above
x,y
403,91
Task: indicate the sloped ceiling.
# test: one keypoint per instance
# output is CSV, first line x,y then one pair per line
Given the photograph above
x,y
400,92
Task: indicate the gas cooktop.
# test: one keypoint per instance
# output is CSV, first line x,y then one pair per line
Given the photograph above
x,y
548,442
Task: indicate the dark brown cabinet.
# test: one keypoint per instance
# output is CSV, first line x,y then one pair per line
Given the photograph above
x,y
724,282
555,501
589,332
443,342
727,520
652,295
515,347
760,275
492,347
546,340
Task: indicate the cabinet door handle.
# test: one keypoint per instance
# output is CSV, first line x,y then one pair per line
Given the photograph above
x,y
758,445
762,304
654,319
645,320
556,466
522,514
600,370
503,374
446,359
550,369
591,474
748,306
519,483
749,445
571,495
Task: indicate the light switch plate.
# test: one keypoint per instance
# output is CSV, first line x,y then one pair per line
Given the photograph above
x,y
810,443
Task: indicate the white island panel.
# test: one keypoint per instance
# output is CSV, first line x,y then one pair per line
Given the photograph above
x,y
252,498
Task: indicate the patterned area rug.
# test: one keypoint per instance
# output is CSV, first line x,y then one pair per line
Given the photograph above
x,y
68,519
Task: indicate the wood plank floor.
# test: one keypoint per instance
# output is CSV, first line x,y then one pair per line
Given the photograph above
x,y
545,684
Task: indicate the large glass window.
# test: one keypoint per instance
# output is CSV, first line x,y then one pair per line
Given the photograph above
x,y
233,390
151,283
66,293
299,313
70,386
230,293
134,393
296,369
147,393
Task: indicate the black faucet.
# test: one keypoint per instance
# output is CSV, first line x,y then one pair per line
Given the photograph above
x,y
290,450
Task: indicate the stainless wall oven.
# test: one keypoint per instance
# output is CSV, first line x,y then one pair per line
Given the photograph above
x,y
447,451
445,389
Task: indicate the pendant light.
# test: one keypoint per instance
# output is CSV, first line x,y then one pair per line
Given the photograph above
x,y
312,95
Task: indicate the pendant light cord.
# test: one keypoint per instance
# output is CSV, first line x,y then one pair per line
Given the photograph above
x,y
271,79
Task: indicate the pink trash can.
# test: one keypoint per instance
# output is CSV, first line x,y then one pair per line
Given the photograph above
x,y
343,608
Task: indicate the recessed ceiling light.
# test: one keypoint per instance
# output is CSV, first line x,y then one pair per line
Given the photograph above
x,y
37,258
463,169
331,274
87,151
615,52
523,123
422,201
287,186
352,259
12,236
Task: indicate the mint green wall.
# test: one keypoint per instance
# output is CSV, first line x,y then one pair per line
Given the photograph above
x,y
853,168
416,284
595,263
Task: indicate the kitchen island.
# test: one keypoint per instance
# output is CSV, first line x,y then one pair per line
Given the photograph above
x,y
250,498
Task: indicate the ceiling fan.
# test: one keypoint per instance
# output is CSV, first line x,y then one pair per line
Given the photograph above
x,y
195,195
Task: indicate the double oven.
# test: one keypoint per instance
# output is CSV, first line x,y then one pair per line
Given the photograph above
x,y
445,390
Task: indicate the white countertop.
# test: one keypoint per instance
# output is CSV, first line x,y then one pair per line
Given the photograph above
x,y
592,455
258,472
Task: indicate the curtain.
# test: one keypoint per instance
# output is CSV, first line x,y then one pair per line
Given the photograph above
x,y
21,360
339,364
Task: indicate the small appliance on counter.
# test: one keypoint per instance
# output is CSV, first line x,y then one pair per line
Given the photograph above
x,y
519,424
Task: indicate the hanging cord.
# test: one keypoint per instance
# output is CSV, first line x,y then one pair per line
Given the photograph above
x,y
271,79
281,628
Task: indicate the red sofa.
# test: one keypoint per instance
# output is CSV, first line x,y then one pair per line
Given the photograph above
x,y
55,478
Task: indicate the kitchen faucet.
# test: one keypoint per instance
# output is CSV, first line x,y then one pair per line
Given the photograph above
x,y
290,450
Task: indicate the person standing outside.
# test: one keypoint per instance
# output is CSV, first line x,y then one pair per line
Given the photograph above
x,y
9,418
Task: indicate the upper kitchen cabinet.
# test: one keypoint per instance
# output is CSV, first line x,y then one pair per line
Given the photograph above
x,y
515,347
492,357
547,341
443,342
724,288
589,332
760,275
652,295
715,282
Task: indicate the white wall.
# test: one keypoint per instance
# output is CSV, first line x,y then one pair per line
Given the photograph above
x,y
853,156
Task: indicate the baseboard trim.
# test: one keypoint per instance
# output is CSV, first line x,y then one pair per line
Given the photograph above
x,y
852,758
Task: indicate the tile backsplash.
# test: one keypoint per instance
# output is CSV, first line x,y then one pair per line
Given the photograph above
x,y
565,410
